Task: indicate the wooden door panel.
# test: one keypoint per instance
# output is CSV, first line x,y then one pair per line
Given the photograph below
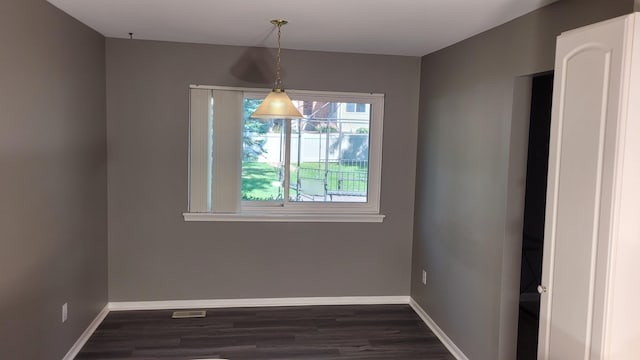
x,y
582,147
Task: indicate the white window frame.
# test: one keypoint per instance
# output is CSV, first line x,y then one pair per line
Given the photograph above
x,y
286,211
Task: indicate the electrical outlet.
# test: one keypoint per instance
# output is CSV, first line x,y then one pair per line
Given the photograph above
x,y
64,312
424,277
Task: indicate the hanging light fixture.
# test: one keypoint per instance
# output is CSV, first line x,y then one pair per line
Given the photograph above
x,y
277,105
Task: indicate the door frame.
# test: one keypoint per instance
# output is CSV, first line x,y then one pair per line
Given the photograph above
x,y
514,222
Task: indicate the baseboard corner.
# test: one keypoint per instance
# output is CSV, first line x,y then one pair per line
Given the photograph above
x,y
446,341
84,337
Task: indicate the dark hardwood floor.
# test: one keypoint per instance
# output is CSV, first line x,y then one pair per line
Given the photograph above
x,y
313,332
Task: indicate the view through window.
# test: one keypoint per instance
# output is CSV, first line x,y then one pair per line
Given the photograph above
x,y
328,162
329,154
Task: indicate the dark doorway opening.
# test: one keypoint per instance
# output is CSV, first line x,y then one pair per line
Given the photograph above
x,y
534,210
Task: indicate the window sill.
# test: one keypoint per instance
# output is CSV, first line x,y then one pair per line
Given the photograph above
x,y
284,217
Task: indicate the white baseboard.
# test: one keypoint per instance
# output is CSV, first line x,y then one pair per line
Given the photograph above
x,y
264,302
448,343
75,349
234,303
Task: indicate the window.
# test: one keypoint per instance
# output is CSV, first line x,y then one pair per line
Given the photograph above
x,y
356,107
324,167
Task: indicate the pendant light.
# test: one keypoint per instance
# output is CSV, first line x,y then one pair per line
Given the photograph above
x,y
277,105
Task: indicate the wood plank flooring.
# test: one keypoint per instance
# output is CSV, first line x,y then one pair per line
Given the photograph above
x,y
311,332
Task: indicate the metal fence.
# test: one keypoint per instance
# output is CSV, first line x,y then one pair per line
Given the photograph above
x,y
345,180
328,164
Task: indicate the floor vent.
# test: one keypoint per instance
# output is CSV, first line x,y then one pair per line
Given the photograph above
x,y
189,314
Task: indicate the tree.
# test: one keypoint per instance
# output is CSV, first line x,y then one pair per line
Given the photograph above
x,y
253,147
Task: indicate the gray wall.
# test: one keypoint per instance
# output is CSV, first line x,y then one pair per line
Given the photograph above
x,y
155,255
470,173
53,211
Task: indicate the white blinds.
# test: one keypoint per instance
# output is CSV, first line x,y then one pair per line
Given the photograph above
x,y
200,156
216,150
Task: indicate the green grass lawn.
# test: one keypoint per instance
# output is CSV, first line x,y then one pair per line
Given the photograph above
x,y
257,181
258,178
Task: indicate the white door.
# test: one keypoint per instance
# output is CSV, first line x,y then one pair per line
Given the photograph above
x,y
579,196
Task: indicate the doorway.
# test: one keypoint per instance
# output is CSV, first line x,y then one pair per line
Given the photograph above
x,y
534,215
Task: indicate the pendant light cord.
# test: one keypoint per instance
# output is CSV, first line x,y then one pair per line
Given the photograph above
x,y
278,83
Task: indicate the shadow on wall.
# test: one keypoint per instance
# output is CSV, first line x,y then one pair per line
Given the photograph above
x,y
256,65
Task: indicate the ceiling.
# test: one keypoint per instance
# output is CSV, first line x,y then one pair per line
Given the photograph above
x,y
393,27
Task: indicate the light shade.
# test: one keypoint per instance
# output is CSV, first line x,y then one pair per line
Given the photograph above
x,y
277,105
